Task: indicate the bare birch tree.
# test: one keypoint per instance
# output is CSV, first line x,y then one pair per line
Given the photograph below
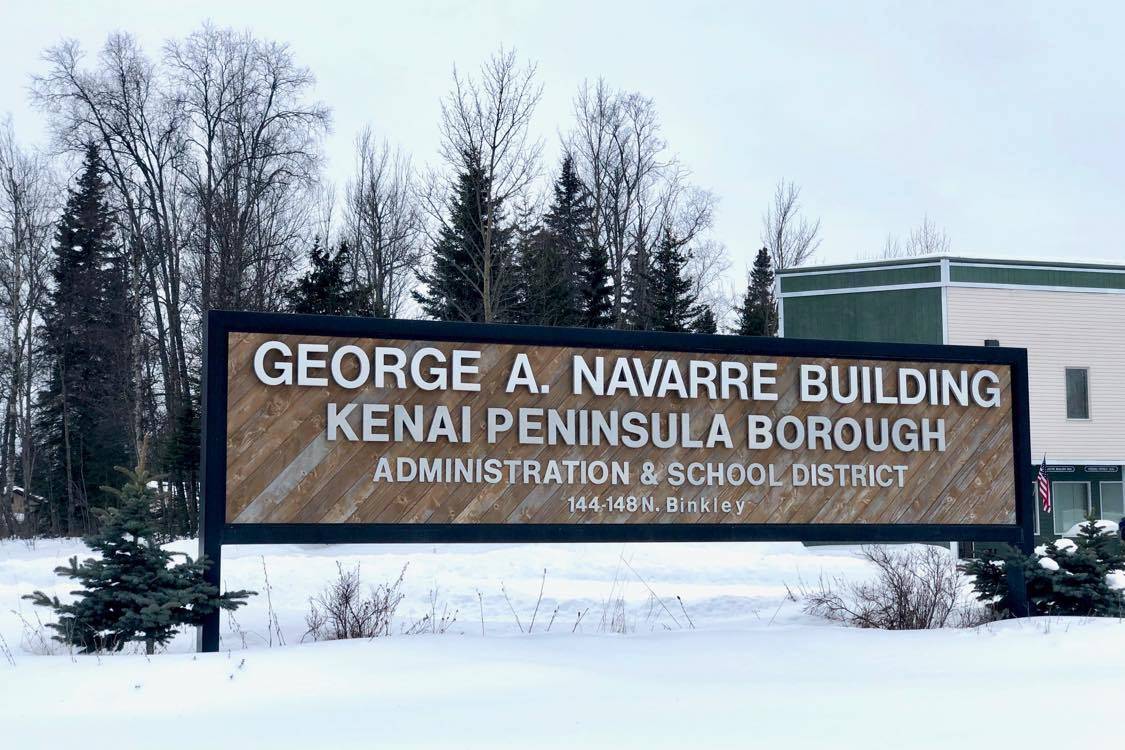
x,y
383,223
486,120
28,204
708,267
252,161
637,188
925,239
211,154
791,238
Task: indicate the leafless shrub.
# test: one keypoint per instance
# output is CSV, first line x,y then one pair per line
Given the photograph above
x,y
614,619
435,622
7,651
553,616
511,606
690,622
35,638
534,614
236,627
342,611
652,613
655,598
274,625
480,601
916,588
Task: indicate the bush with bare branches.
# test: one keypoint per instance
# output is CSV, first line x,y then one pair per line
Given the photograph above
x,y
342,611
915,588
437,621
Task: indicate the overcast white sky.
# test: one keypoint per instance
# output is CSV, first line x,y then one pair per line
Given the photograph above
x,y
1004,122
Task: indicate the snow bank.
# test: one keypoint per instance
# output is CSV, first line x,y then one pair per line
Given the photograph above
x,y
721,585
754,672
782,686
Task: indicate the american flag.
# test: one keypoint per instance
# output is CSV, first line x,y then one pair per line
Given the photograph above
x,y
1044,486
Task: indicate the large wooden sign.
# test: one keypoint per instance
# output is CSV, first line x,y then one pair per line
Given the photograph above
x,y
321,429
402,423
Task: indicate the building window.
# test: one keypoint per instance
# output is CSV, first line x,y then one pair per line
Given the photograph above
x,y
1071,501
1077,393
1113,501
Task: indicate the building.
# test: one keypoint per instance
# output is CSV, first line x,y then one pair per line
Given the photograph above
x,y
1069,316
20,504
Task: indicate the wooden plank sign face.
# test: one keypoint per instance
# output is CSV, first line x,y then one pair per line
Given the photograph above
x,y
488,429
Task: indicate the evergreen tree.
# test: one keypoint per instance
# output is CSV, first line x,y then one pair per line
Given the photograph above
x,y
552,258
570,222
705,321
454,282
179,456
134,591
668,303
640,307
1063,577
597,291
989,573
84,409
543,290
328,287
757,316
1077,574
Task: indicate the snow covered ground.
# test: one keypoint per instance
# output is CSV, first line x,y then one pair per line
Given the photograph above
x,y
736,665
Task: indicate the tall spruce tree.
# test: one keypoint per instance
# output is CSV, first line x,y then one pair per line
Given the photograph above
x,y
133,591
640,305
670,303
552,258
455,278
84,409
597,291
572,218
328,287
568,229
757,316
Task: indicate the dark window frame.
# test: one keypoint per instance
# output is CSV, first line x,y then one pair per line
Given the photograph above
x,y
1075,413
1056,515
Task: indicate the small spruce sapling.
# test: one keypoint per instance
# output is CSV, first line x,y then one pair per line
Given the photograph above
x,y
1064,577
134,591
990,578
1080,585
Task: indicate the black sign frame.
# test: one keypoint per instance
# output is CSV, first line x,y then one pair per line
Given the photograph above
x,y
215,531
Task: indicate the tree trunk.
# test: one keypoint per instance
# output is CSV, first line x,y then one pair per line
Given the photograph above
x,y
70,501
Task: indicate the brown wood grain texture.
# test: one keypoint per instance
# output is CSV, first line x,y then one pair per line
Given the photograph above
x,y
280,468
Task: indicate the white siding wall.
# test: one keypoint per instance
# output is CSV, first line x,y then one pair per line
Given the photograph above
x,y
1060,330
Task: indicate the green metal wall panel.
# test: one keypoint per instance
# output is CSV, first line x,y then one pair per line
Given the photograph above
x,y
1094,475
921,274
1032,276
904,316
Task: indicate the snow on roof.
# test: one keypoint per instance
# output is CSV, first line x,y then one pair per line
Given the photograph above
x,y
969,257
